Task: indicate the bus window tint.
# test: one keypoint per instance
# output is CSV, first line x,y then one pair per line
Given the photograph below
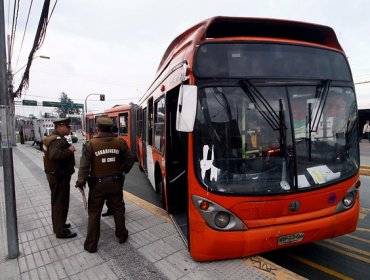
x,y
269,60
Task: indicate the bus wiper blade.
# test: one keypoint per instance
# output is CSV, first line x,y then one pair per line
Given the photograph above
x,y
319,106
263,107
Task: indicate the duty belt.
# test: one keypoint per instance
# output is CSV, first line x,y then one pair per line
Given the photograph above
x,y
107,179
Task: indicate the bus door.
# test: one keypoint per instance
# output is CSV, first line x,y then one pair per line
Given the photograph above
x,y
149,144
143,139
176,167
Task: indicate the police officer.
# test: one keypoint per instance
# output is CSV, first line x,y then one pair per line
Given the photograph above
x,y
59,162
109,210
105,159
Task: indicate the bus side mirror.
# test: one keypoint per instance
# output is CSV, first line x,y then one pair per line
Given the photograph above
x,y
186,108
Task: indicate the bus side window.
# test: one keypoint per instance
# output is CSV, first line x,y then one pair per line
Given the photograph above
x,y
123,123
159,125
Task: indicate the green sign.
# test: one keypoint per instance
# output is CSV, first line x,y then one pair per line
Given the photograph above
x,y
51,104
29,102
62,105
76,105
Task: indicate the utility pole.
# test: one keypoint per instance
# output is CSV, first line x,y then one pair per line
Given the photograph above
x,y
11,94
6,147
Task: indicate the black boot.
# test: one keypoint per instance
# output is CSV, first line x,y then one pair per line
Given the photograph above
x,y
108,213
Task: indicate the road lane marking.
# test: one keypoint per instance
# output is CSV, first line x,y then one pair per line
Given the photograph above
x,y
363,229
348,247
319,267
344,252
358,238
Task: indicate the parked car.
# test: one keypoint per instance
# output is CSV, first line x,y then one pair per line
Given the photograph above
x,y
72,138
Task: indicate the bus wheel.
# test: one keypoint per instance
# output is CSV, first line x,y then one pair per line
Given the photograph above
x,y
162,195
139,157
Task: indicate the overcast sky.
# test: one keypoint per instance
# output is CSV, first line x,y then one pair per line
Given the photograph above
x,y
114,46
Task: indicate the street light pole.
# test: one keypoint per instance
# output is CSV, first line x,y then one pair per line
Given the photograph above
x,y
38,56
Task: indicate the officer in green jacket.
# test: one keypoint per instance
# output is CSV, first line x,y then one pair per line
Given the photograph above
x,y
59,162
104,160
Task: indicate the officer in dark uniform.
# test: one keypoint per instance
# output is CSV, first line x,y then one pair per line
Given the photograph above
x,y
59,162
105,159
109,211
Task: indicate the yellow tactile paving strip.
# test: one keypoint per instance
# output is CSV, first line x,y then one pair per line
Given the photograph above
x,y
365,170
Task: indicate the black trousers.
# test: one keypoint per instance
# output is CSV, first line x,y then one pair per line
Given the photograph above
x,y
112,192
60,191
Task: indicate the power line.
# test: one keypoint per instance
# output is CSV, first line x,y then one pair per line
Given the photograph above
x,y
14,27
24,33
39,38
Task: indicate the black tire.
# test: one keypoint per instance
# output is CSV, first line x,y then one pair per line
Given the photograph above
x,y
138,158
161,194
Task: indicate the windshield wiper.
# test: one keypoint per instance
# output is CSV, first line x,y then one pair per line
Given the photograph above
x,y
263,107
317,109
319,106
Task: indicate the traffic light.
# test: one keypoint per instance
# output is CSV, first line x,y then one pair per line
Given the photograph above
x,y
102,97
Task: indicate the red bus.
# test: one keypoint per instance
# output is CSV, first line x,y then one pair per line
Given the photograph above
x,y
249,133
124,117
90,122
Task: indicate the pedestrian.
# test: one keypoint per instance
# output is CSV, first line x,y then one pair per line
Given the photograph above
x,y
104,161
366,131
59,162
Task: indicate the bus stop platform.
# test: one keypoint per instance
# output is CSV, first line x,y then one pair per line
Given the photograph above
x,y
154,249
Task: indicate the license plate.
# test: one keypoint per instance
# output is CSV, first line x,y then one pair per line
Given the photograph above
x,y
291,238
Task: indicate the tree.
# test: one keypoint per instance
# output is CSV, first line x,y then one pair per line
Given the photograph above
x,y
67,106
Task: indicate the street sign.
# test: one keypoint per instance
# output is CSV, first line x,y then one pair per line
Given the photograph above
x,y
77,105
61,105
51,104
29,102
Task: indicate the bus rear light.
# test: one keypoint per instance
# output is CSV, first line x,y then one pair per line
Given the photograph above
x,y
216,216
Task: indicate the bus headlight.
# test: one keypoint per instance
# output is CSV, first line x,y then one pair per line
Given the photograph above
x,y
216,216
348,200
222,219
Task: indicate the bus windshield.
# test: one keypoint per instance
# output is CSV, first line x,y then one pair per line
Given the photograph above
x,y
274,139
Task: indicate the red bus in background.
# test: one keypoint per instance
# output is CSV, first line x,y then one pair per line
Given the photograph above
x,y
249,134
90,121
124,117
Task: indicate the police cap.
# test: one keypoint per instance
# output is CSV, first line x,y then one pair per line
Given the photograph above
x,y
64,121
104,121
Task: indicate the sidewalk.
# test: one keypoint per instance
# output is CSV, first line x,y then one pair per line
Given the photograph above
x,y
153,250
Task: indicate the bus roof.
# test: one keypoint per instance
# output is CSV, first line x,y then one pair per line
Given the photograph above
x,y
118,108
223,27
